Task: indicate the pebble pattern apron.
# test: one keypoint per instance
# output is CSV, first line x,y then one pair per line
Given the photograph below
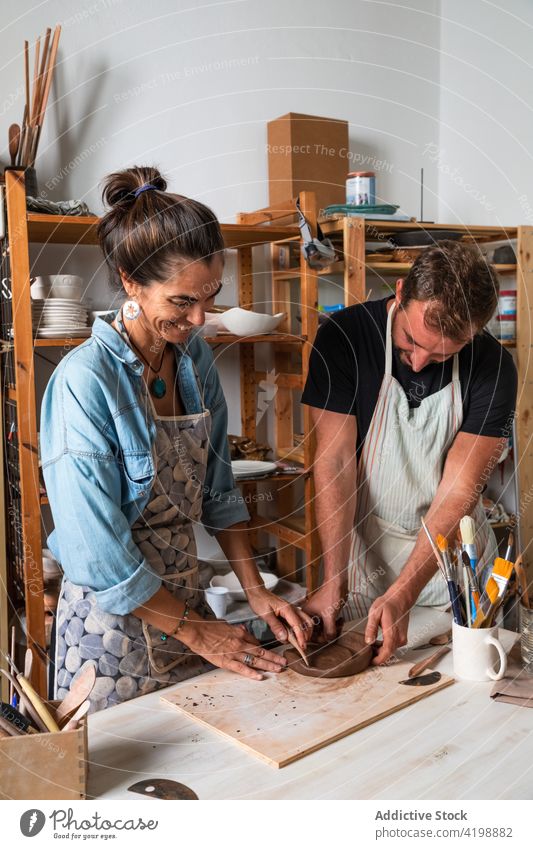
x,y
129,656
399,471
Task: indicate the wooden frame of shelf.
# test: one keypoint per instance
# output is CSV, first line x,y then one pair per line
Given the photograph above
x,y
25,228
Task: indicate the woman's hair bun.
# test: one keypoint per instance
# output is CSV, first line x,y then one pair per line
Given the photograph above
x,y
119,188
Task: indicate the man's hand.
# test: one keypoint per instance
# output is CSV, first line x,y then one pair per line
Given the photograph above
x,y
327,603
391,612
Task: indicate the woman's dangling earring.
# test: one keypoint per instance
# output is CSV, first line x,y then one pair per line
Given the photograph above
x,y
131,310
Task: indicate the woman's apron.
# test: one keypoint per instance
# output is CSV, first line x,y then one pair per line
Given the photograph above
x,y
129,656
399,472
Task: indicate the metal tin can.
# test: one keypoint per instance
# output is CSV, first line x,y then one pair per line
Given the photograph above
x,y
361,188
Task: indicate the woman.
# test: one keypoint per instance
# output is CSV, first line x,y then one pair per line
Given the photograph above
x,y
134,452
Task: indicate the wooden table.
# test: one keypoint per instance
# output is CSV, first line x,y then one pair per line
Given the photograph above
x,y
456,744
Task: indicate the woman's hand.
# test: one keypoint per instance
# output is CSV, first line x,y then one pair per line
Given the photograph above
x,y
228,646
280,615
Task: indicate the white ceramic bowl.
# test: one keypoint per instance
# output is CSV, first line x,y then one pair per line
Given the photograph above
x,y
231,583
247,323
68,286
212,324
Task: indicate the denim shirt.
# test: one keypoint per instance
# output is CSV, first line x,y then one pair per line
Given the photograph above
x,y
97,441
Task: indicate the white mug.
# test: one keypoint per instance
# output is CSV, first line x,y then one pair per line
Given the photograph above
x,y
217,599
476,652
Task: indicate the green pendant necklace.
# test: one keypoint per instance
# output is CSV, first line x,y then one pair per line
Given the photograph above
x,y
157,386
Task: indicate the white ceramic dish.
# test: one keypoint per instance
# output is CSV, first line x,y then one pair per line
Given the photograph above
x,y
57,302
247,323
231,583
65,286
74,332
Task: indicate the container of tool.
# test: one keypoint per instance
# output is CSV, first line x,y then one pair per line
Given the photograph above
x,y
45,765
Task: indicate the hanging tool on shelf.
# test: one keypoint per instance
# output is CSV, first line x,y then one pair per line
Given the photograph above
x,y
318,252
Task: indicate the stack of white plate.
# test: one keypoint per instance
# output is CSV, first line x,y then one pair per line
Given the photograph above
x,y
55,318
252,469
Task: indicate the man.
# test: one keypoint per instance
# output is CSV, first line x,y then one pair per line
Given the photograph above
x,y
412,404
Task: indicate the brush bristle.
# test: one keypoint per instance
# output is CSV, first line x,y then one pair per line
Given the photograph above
x,y
468,530
442,542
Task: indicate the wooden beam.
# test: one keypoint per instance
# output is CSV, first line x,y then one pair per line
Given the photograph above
x,y
27,425
524,408
354,261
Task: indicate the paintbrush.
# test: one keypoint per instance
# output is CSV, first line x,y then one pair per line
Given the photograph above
x,y
435,550
442,544
510,546
468,535
466,591
295,644
487,604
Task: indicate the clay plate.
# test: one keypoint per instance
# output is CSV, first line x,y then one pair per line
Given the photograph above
x,y
348,655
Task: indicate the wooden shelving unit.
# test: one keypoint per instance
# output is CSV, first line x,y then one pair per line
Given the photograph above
x,y
24,501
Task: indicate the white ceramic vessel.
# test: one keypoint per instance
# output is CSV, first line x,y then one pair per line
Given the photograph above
x,y
247,323
231,583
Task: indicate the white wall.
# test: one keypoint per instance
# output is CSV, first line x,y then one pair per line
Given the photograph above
x,y
483,151
191,86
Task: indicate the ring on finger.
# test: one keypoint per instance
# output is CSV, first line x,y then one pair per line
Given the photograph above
x,y
248,660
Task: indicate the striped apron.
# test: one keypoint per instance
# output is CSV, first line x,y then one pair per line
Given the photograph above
x,y
398,474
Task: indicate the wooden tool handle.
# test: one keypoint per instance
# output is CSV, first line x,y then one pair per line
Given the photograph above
x,y
427,662
38,704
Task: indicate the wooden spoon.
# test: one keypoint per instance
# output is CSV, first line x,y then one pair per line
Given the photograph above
x,y
79,691
14,142
74,720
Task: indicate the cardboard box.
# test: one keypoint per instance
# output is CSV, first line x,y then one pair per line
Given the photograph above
x,y
307,153
45,766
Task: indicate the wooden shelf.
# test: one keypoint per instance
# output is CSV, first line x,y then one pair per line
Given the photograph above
x,y
230,339
294,273
290,530
67,342
405,267
333,225
81,230
377,267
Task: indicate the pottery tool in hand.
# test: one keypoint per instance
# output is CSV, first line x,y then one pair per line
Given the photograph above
x,y
296,645
427,662
80,690
163,788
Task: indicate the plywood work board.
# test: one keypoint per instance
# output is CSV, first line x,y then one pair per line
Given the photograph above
x,y
287,716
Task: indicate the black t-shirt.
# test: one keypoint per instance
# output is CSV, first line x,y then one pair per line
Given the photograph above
x,y
347,365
